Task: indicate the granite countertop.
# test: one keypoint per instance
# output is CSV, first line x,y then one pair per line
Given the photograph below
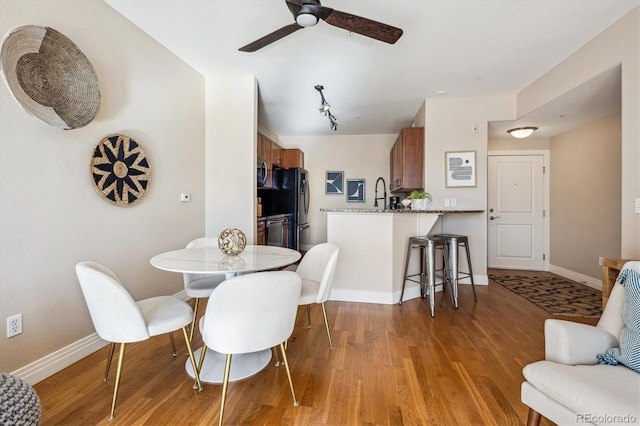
x,y
403,211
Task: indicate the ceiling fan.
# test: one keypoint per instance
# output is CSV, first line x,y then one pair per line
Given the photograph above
x,y
307,13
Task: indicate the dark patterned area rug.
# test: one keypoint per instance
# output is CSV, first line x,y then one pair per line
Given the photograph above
x,y
556,295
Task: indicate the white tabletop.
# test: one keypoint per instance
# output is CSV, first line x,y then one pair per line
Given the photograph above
x,y
211,260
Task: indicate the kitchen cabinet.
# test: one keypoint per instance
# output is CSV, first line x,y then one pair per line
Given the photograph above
x,y
407,161
293,158
277,155
261,236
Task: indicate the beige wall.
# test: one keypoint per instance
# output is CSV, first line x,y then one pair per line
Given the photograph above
x,y
50,215
358,156
449,127
231,154
513,144
618,45
585,196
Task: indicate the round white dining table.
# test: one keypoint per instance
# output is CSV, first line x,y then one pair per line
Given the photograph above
x,y
210,260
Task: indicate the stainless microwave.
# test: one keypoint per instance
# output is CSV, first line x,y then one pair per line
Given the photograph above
x,y
262,172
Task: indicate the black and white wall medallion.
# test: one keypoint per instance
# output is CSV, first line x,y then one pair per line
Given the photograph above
x,y
120,170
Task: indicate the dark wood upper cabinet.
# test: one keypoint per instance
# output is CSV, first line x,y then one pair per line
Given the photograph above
x,y
293,158
407,160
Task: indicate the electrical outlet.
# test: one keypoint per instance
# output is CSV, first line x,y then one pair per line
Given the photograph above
x,y
14,325
447,202
454,202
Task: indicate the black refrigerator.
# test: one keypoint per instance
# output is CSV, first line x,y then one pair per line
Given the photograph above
x,y
290,195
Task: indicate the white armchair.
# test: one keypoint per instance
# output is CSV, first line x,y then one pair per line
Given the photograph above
x,y
569,387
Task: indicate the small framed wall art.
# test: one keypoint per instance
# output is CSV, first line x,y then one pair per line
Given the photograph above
x,y
355,190
460,169
334,183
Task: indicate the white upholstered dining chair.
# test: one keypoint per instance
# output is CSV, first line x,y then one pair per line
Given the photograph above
x,y
119,319
316,269
250,313
198,286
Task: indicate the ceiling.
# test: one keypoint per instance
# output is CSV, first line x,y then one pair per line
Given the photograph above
x,y
449,49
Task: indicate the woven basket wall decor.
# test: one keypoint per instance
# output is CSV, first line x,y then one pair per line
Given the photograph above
x,y
120,170
50,77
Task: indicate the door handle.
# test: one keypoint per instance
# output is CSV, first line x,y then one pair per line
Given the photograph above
x,y
494,217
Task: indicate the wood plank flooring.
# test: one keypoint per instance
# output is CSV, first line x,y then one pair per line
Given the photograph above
x,y
391,365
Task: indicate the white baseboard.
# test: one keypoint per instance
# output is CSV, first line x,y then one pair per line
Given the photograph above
x,y
60,359
384,298
577,277
51,364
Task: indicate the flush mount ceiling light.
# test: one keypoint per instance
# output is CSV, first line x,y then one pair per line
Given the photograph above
x,y
324,109
522,132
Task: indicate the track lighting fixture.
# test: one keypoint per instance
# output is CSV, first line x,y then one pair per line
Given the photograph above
x,y
324,109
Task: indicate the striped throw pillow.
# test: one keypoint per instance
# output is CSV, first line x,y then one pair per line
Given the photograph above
x,y
629,351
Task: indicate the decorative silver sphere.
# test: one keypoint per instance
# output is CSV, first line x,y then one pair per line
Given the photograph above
x,y
232,241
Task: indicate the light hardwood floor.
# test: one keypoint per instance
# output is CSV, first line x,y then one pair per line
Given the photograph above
x,y
391,365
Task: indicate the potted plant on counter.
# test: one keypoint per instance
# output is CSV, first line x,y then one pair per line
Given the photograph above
x,y
419,200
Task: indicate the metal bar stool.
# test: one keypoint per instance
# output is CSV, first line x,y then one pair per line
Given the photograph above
x,y
454,242
428,247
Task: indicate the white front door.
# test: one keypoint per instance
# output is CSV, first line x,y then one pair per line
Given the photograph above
x,y
516,212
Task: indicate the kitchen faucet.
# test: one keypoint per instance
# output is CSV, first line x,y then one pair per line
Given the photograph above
x,y
384,197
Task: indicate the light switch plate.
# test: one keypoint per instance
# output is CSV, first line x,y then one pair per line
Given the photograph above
x,y
637,205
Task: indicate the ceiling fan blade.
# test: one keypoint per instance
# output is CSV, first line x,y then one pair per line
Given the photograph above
x,y
270,38
364,26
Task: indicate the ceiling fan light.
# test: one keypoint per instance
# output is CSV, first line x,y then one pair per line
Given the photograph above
x,y
306,20
522,132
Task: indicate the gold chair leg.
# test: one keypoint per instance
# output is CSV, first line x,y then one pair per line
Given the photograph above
x,y
286,365
112,348
225,384
196,302
173,344
117,383
200,362
308,316
196,371
275,353
326,324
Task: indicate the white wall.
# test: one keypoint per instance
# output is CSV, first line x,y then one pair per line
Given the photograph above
x,y
231,154
50,215
358,156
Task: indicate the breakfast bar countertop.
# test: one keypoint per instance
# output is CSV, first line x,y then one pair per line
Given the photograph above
x,y
404,211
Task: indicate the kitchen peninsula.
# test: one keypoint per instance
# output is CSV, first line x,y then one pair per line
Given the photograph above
x,y
372,248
